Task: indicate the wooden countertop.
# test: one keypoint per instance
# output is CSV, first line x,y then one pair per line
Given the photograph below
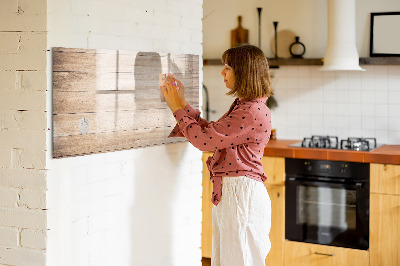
x,y
389,154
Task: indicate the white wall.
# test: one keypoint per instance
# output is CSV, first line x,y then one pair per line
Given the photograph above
x,y
134,207
23,133
311,102
305,18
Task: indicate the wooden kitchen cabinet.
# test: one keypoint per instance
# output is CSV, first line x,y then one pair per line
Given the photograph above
x,y
206,225
385,178
384,237
305,254
274,168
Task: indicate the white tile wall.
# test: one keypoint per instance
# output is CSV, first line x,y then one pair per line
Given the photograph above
x,y
313,102
343,103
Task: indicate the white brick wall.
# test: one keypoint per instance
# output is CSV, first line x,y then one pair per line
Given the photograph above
x,y
23,132
134,207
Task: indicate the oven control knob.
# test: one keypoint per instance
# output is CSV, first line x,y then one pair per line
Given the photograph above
x,y
308,166
343,168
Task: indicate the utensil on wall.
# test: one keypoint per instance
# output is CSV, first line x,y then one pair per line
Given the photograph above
x,y
297,49
239,35
259,9
276,38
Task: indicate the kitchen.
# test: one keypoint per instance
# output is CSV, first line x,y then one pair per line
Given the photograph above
x,y
319,109
314,104
97,209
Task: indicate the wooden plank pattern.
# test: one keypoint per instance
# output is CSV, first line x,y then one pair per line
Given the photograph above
x,y
108,100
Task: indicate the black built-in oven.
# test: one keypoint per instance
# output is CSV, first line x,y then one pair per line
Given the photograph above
x,y
327,202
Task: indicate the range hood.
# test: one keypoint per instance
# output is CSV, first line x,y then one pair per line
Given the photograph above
x,y
341,51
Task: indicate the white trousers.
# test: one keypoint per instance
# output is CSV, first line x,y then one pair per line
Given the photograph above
x,y
241,223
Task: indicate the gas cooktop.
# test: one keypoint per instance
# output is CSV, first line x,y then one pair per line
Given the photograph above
x,y
332,142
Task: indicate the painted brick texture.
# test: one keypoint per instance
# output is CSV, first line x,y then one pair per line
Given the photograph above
x,y
122,208
23,218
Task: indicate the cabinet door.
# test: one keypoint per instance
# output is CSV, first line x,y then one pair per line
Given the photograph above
x,y
277,233
384,230
304,254
385,178
274,168
206,225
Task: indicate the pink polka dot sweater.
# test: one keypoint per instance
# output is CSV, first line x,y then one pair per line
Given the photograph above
x,y
238,139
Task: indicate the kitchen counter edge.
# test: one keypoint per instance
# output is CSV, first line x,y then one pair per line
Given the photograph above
x,y
385,154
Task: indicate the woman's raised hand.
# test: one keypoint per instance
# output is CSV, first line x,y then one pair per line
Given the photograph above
x,y
181,90
171,94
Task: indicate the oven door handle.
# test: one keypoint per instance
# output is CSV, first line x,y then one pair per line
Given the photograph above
x,y
357,185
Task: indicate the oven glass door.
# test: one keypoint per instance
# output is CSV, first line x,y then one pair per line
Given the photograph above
x,y
326,213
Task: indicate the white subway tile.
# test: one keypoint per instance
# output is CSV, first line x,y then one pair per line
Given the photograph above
x,y
368,110
394,97
367,83
342,97
355,96
380,71
291,71
382,123
304,73
394,110
354,81
394,137
368,122
342,80
342,122
382,136
394,83
380,84
381,97
342,109
303,82
394,123
355,132
329,109
355,122
328,74
367,96
329,93
292,83
382,110
317,83
329,123
394,71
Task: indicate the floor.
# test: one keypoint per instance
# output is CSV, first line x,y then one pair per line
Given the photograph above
x,y
206,261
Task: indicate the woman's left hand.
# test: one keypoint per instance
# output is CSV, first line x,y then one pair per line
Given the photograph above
x,y
171,95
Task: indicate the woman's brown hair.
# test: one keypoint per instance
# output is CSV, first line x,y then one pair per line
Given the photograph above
x,y
250,66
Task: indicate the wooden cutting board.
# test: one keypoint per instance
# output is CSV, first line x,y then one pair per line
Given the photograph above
x,y
239,35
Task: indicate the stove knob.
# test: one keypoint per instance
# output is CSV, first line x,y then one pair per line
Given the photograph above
x,y
308,166
343,168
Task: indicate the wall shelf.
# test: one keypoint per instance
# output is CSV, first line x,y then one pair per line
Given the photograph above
x,y
274,63
380,61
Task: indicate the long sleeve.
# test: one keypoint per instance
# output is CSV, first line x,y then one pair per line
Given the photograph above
x,y
231,130
193,113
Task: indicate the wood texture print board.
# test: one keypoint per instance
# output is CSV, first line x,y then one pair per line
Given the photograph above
x,y
109,100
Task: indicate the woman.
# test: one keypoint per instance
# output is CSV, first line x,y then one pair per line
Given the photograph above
x,y
242,208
